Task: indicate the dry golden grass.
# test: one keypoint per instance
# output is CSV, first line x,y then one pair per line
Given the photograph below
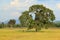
x,y
16,34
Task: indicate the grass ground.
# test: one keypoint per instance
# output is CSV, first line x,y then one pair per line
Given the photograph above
x,y
17,34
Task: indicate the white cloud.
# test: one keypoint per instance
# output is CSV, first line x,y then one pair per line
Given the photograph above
x,y
15,14
14,7
14,3
58,5
19,4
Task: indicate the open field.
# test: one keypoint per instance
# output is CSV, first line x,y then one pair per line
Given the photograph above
x,y
17,34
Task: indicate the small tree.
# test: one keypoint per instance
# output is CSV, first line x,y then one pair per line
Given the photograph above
x,y
11,22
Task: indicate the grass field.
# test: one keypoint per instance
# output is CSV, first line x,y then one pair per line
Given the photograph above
x,y
17,34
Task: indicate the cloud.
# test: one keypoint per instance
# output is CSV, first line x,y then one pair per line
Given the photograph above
x,y
15,15
14,3
19,4
58,5
13,9
22,3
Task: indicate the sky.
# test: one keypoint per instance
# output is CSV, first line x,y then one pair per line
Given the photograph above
x,y
12,9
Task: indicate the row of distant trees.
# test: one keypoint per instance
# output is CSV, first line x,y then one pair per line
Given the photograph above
x,y
57,23
44,18
11,24
14,25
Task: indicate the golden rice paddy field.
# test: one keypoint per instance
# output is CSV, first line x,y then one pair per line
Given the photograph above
x,y
17,34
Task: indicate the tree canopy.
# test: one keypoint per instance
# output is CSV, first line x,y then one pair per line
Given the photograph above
x,y
43,16
12,22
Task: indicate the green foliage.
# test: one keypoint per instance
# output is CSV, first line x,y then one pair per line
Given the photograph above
x,y
17,26
25,19
2,25
11,23
43,15
57,23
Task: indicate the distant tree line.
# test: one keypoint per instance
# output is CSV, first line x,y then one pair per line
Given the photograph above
x,y
57,24
11,24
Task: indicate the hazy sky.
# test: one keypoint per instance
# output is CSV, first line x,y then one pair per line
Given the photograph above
x,y
11,9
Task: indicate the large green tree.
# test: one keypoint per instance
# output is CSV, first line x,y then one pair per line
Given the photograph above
x,y
43,15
